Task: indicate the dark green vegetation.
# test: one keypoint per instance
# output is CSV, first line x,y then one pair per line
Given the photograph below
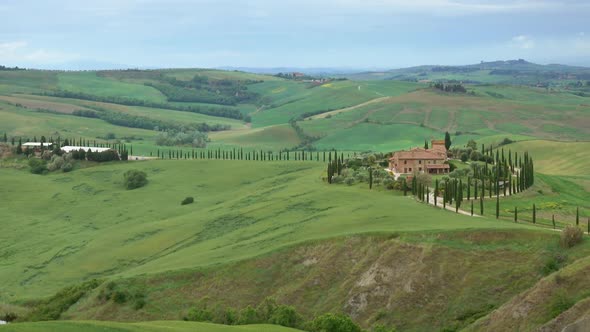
x,y
258,220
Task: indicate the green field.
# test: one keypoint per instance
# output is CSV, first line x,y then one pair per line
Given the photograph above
x,y
111,231
276,229
97,326
90,83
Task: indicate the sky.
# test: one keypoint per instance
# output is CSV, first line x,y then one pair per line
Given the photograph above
x,y
368,34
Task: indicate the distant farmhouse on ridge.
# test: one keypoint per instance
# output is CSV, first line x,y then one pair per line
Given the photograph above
x,y
418,160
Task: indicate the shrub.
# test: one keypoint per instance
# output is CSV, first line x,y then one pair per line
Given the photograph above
x,y
55,163
134,179
9,317
285,316
248,315
334,323
188,200
570,236
38,166
199,315
349,181
52,308
119,297
464,157
67,167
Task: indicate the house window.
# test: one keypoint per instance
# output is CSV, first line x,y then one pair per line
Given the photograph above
x,y
405,162
419,161
420,169
410,169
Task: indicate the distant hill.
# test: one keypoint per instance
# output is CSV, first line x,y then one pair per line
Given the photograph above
x,y
518,71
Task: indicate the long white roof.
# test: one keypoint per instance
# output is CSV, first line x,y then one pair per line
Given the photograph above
x,y
70,148
36,144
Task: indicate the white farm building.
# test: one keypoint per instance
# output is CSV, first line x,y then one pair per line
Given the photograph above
x,y
70,148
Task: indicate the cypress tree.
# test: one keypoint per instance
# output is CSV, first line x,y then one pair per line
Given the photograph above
x,y
472,208
370,178
426,144
447,140
405,187
427,195
5,138
515,214
577,216
553,220
468,188
12,141
475,189
435,191
534,214
497,206
481,205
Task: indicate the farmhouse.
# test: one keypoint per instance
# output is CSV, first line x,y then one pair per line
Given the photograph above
x,y
70,148
420,160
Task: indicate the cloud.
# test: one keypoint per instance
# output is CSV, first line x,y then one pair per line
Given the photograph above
x,y
523,42
19,52
8,49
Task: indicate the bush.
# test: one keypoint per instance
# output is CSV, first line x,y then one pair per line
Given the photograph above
x,y
67,167
188,200
53,307
285,316
199,315
55,163
334,323
248,315
38,166
134,179
9,317
570,236
119,297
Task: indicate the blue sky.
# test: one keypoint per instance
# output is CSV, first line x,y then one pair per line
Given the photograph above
x,y
73,34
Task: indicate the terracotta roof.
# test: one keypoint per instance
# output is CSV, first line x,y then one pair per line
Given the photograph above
x,y
418,154
438,166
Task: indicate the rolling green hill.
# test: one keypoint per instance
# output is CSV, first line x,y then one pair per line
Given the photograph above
x,y
85,224
91,326
261,229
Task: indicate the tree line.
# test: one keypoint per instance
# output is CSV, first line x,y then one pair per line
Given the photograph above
x,y
213,111
135,121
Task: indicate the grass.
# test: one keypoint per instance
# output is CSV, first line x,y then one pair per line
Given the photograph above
x,y
556,158
175,326
90,83
84,224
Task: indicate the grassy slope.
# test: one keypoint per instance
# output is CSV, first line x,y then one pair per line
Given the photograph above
x,y
90,83
403,120
328,97
543,302
415,281
84,224
173,326
419,115
562,183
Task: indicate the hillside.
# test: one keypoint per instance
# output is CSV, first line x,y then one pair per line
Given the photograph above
x,y
138,327
516,72
261,229
277,113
